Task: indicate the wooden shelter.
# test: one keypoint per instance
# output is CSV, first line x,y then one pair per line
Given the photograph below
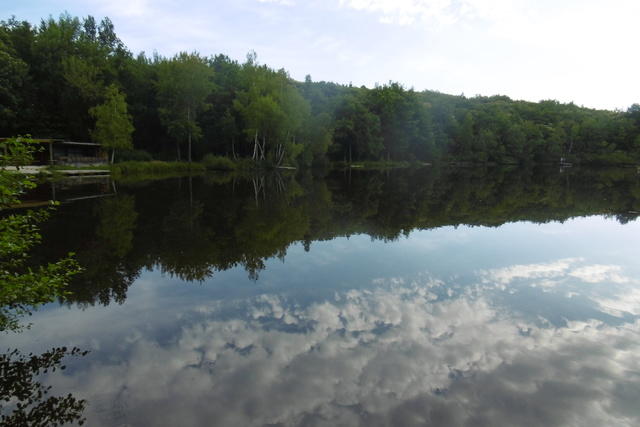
x,y
63,152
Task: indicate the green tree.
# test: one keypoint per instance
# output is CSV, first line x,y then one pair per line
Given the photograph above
x,y
184,83
113,127
465,137
265,120
53,72
60,110
357,131
13,74
221,127
318,135
83,76
107,36
273,112
229,130
296,111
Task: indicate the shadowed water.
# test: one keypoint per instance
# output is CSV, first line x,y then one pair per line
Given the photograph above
x,y
408,297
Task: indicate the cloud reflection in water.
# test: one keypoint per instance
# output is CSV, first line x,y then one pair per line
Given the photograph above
x,y
400,353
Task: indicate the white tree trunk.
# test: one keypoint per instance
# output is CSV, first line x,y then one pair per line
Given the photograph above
x,y
189,120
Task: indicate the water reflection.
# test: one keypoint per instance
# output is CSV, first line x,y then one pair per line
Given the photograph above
x,y
25,400
418,297
402,352
192,228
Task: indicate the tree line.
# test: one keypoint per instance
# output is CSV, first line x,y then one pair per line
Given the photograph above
x,y
74,78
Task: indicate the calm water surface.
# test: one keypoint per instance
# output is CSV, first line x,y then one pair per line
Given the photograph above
x,y
415,297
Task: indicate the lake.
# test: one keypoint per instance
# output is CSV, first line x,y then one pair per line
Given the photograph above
x,y
430,296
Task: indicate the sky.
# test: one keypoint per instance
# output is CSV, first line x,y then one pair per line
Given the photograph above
x,y
581,51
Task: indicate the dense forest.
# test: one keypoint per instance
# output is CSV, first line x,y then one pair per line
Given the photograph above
x,y
74,78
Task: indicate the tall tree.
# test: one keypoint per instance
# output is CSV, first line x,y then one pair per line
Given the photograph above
x,y
113,124
13,74
184,82
357,132
107,36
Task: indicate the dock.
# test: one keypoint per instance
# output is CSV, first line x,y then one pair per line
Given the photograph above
x,y
37,170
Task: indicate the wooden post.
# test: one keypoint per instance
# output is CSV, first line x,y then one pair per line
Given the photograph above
x,y
51,152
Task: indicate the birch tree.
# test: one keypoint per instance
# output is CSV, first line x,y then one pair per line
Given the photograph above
x,y
113,127
272,110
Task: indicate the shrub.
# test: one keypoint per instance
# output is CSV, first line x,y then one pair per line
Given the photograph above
x,y
214,162
154,168
133,156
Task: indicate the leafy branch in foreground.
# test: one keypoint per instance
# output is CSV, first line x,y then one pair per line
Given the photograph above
x,y
15,152
23,399
23,287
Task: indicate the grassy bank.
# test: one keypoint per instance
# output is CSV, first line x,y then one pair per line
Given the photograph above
x,y
154,169
160,169
376,164
244,165
616,158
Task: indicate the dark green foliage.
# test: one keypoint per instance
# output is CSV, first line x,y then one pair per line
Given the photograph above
x,y
357,131
213,162
14,152
134,156
54,73
273,113
184,82
13,77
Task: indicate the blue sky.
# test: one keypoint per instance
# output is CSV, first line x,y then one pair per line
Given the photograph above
x,y
583,51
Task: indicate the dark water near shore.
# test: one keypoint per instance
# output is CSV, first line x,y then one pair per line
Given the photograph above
x,y
405,297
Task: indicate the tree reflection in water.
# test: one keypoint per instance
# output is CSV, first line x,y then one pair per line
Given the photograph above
x,y
413,349
25,400
193,227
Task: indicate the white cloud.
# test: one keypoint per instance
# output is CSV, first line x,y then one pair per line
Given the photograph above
x,y
600,273
442,12
506,275
570,51
612,292
557,270
403,12
627,301
280,2
127,8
